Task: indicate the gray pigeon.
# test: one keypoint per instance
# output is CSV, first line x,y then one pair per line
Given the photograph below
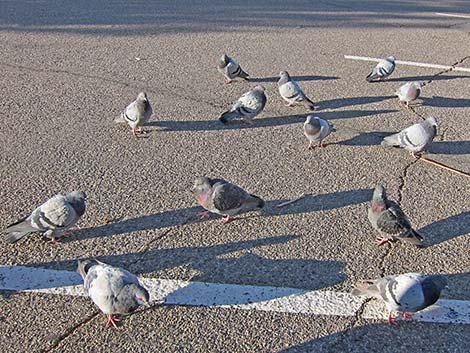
x,y
291,92
415,139
230,69
52,218
113,289
316,130
406,293
136,114
221,197
409,92
248,106
383,69
388,218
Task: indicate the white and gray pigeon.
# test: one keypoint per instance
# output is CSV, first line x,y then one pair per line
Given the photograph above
x,y
415,139
113,289
52,218
316,130
247,107
136,114
387,217
409,92
384,68
291,92
224,198
230,69
405,293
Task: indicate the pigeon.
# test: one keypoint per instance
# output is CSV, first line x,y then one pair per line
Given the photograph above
x,y
415,139
316,129
113,289
52,218
248,106
409,92
405,293
291,92
224,198
388,218
383,69
136,114
230,69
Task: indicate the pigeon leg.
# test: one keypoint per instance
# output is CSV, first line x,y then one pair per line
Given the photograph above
x,y
415,155
309,147
55,241
289,105
381,241
226,219
204,214
228,81
407,316
112,320
390,318
320,144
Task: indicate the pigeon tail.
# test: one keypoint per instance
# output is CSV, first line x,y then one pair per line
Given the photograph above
x,y
366,287
119,119
244,75
372,77
391,141
413,237
18,230
228,115
258,201
309,104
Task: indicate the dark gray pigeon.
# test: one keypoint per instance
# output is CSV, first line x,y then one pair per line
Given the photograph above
x,y
52,218
113,289
409,92
291,92
247,107
316,130
406,293
230,69
136,114
388,218
224,198
384,68
415,139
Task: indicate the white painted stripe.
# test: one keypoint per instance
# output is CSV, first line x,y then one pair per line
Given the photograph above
x,y
244,297
410,63
451,15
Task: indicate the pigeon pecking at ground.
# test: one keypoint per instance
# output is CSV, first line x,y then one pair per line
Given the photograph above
x,y
316,130
113,289
292,93
136,114
384,68
247,107
415,139
405,293
230,69
388,218
52,218
409,92
224,198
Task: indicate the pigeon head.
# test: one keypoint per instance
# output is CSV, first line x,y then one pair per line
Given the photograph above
x,y
431,120
379,194
142,96
83,266
77,200
391,58
259,88
223,61
142,296
202,185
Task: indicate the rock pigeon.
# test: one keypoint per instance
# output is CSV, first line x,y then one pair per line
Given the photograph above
x,y
415,139
113,289
316,129
224,198
409,92
52,218
405,293
388,218
383,69
230,69
248,106
291,92
136,114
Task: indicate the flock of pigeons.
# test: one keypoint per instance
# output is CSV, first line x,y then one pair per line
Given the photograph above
x,y
116,291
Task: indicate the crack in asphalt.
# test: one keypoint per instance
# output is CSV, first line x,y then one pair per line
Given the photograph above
x,y
70,331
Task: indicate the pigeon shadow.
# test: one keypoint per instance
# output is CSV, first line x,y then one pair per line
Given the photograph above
x,y
450,147
446,229
444,102
351,101
426,78
295,78
211,125
215,264
366,139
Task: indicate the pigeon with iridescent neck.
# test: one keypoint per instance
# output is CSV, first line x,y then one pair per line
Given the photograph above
x,y
384,68
230,69
409,92
316,130
291,92
136,114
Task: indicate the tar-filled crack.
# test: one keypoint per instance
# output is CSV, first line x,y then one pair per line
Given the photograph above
x,y
70,331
